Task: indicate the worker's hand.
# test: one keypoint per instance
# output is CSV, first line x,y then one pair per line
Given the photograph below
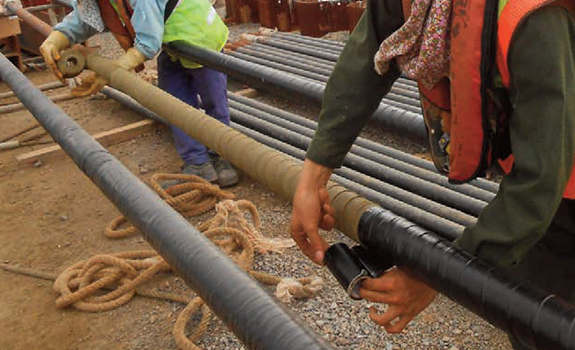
x,y
94,83
131,59
89,85
405,296
51,48
312,210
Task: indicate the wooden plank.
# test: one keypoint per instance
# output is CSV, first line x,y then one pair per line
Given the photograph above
x,y
105,138
249,93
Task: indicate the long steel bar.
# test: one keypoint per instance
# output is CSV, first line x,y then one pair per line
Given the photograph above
x,y
280,173
402,87
544,321
417,209
43,87
388,174
427,213
254,316
39,25
480,189
306,71
373,146
393,119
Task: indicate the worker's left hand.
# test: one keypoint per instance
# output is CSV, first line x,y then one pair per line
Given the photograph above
x,y
405,296
89,85
94,83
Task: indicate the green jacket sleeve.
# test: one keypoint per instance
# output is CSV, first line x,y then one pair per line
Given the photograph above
x,y
542,130
354,89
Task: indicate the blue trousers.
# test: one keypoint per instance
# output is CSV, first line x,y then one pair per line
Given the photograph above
x,y
186,84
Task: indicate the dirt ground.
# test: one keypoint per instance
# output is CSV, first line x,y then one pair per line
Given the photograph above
x,y
52,216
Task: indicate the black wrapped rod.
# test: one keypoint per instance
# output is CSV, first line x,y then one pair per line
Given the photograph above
x,y
543,320
307,39
331,55
373,146
429,214
258,320
391,118
386,161
406,181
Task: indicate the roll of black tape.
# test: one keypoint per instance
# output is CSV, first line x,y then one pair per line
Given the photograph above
x,y
346,268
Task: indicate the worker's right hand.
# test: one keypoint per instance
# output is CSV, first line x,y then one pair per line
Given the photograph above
x,y
312,210
51,48
89,85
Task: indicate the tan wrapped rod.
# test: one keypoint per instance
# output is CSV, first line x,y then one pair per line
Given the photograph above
x,y
276,170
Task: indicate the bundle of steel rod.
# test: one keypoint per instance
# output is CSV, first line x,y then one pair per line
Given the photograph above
x,y
407,187
542,319
397,120
248,310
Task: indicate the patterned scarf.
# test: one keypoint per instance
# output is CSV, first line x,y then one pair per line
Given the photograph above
x,y
421,46
90,14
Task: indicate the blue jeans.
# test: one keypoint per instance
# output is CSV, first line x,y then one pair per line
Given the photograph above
x,y
186,84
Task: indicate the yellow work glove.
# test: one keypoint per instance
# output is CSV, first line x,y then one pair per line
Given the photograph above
x,y
131,59
94,83
51,48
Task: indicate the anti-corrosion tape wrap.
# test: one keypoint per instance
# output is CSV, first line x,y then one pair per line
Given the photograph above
x,y
543,320
250,312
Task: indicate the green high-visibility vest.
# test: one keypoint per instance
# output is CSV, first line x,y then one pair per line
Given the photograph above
x,y
196,22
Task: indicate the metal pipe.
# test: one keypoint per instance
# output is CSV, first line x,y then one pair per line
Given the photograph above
x,y
249,311
387,174
286,53
308,50
296,62
280,66
365,143
544,320
280,173
43,87
307,39
306,71
391,118
32,9
36,23
429,214
19,106
384,194
306,62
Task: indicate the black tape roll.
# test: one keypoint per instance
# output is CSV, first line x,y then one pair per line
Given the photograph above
x,y
375,264
346,268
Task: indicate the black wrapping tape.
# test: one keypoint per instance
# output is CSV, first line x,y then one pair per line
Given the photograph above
x,y
535,317
351,266
407,123
259,320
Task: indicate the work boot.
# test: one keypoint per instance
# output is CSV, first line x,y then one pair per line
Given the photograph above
x,y
227,174
206,171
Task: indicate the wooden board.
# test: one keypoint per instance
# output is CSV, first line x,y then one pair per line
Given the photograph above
x,y
104,138
9,26
249,93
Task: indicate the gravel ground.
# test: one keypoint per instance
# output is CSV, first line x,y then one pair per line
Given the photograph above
x,y
342,321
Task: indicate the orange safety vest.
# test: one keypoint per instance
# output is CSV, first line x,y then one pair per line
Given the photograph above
x,y
467,124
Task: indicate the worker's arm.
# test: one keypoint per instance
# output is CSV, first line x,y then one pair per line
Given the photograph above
x,y
354,89
74,28
148,22
353,92
542,130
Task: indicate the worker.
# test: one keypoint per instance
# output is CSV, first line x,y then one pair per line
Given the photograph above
x,y
140,27
497,84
